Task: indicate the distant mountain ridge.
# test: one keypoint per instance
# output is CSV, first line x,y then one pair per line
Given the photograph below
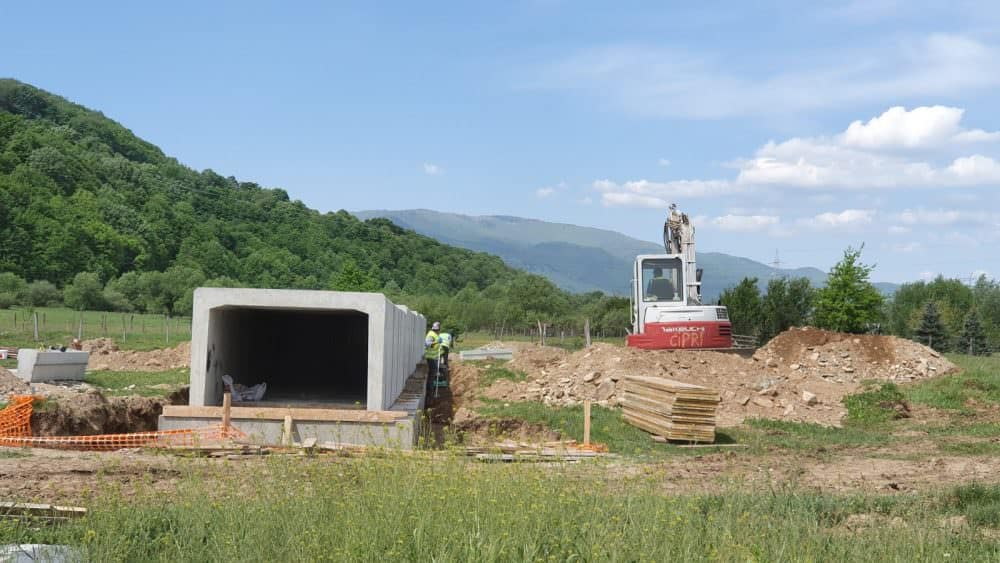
x,y
576,258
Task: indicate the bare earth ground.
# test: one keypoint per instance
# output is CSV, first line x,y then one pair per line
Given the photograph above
x,y
770,385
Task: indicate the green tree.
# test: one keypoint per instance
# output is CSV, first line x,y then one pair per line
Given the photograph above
x,y
931,331
352,278
13,289
787,303
85,292
743,303
972,341
43,293
849,302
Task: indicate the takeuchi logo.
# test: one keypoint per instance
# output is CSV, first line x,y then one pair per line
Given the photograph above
x,y
682,329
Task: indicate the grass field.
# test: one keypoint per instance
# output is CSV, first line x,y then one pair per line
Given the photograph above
x,y
58,326
443,508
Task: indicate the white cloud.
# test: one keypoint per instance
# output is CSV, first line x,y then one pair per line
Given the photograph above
x,y
927,276
587,200
846,218
877,154
664,82
663,162
644,193
898,230
543,193
926,126
432,169
906,248
745,223
925,217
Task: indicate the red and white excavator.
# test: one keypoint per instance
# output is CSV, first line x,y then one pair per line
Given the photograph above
x,y
667,312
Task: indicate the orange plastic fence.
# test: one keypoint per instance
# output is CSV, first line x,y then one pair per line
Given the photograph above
x,y
15,420
15,431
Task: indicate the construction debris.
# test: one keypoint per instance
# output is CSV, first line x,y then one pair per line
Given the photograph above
x,y
672,409
796,362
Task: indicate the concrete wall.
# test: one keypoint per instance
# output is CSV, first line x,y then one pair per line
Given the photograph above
x,y
395,337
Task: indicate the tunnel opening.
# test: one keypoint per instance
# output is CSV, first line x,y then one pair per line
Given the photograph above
x,y
306,357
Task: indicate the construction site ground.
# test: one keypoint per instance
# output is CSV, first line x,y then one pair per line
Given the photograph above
x,y
781,420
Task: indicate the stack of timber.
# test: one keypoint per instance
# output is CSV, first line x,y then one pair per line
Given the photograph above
x,y
668,408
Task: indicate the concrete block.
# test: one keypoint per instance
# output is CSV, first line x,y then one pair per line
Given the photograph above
x,y
48,365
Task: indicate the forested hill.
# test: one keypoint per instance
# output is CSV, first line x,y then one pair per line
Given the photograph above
x,y
81,193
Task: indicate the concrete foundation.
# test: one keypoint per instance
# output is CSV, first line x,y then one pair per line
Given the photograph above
x,y
341,364
45,365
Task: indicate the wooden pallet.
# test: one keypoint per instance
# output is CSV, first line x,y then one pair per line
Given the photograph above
x,y
672,409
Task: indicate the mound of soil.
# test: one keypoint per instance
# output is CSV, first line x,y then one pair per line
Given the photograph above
x,y
801,375
105,355
10,384
90,413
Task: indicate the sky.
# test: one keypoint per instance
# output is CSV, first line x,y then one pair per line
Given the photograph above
x,y
786,130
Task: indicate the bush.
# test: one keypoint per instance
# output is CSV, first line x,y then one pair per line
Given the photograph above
x,y
42,293
85,292
12,289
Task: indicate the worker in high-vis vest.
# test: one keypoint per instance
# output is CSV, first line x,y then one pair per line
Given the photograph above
x,y
432,349
446,341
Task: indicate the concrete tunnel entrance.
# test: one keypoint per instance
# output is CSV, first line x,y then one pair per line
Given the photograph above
x,y
306,357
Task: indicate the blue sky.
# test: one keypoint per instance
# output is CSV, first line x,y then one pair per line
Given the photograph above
x,y
789,127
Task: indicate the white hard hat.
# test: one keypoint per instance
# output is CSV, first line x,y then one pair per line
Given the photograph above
x,y
436,326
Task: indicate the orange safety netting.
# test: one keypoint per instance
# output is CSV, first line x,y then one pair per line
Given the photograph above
x,y
15,431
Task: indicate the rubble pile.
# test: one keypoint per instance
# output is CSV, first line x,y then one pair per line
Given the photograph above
x,y
801,375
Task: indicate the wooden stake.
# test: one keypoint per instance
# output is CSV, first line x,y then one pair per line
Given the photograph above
x,y
586,422
286,434
586,330
34,318
79,331
227,405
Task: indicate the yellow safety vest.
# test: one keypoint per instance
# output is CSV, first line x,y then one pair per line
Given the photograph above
x,y
431,350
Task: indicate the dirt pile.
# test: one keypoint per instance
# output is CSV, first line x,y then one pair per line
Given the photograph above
x,y
10,384
801,375
838,355
90,413
105,355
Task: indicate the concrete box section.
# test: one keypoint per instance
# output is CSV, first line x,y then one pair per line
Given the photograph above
x,y
335,349
51,365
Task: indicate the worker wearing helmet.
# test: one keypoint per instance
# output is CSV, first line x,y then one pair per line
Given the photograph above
x,y
432,350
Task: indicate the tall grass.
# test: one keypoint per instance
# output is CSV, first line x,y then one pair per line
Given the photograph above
x,y
448,509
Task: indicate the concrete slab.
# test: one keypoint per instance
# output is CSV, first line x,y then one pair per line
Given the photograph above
x,y
51,365
397,427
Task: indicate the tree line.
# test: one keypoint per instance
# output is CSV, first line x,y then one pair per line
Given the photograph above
x,y
93,217
944,314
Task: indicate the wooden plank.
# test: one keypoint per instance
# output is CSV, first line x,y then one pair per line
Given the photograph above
x,y
286,431
279,413
586,422
8,509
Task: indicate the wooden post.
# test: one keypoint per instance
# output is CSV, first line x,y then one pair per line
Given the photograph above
x,y
124,331
79,330
586,422
586,331
166,328
34,319
43,322
227,405
286,433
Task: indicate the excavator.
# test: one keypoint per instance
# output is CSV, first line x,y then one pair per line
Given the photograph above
x,y
667,312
